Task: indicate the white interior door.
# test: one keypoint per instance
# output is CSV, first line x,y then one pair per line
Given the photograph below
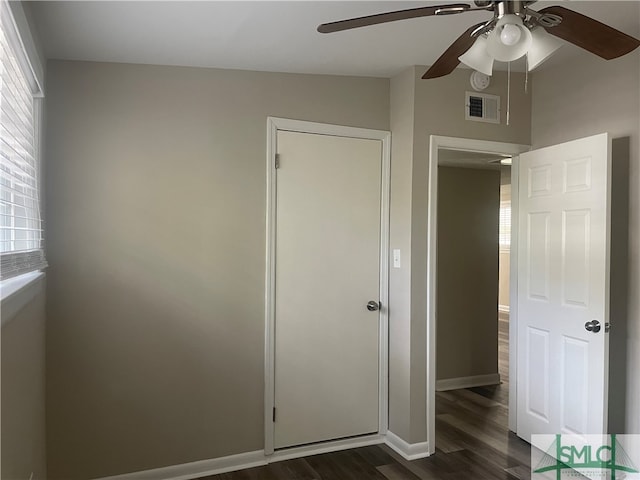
x,y
563,286
327,270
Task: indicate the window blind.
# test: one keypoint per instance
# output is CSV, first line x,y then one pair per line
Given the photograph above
x,y
21,236
505,224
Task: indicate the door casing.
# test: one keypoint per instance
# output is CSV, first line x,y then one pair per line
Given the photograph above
x,y
477,146
275,124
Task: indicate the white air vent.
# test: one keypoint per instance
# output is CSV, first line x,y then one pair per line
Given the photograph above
x,y
482,107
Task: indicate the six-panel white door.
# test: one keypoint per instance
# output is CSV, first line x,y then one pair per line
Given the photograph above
x,y
563,283
327,270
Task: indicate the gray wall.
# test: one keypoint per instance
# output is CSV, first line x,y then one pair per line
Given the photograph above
x,y
156,233
161,171
467,274
583,98
438,109
23,390
402,125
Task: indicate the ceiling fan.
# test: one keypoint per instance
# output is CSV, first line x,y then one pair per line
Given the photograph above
x,y
514,30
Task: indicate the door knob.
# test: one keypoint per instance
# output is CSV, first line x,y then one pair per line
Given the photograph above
x,y
372,306
592,326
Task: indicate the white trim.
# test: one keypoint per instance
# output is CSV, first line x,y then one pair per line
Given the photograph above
x,y
409,451
17,292
303,126
504,308
467,382
201,468
482,146
273,125
20,34
258,458
326,447
513,296
383,335
270,280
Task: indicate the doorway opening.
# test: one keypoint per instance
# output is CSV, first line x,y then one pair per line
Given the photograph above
x,y
559,289
468,359
472,298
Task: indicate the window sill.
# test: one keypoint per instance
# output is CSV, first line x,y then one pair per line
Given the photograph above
x,y
16,293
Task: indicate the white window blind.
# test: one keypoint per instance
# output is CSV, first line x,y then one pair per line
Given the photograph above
x,y
505,225
21,238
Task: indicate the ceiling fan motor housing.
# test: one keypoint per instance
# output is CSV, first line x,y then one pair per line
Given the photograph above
x,y
515,7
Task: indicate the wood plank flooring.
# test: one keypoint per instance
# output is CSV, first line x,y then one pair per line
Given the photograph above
x,y
472,443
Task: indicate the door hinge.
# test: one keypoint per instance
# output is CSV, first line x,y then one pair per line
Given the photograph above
x,y
277,160
274,414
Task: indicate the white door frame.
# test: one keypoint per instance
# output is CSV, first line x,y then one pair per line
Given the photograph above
x,y
477,146
273,125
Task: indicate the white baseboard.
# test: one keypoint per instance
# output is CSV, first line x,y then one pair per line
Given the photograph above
x,y
326,447
467,382
409,451
503,308
202,468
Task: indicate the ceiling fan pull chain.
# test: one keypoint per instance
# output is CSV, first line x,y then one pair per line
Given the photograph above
x,y
526,74
508,90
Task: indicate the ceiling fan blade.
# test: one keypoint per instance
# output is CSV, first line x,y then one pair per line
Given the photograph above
x,y
590,34
392,17
448,61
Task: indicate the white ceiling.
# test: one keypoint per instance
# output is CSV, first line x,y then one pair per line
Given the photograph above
x,y
270,35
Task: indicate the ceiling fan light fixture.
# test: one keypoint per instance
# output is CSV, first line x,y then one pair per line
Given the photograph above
x,y
504,44
542,47
510,34
477,57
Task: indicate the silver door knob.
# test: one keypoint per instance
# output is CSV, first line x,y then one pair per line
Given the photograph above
x,y
372,306
592,326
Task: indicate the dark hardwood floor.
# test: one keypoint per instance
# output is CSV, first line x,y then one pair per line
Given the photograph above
x,y
472,443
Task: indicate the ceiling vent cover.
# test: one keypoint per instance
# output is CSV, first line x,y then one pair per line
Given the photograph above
x,y
482,107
